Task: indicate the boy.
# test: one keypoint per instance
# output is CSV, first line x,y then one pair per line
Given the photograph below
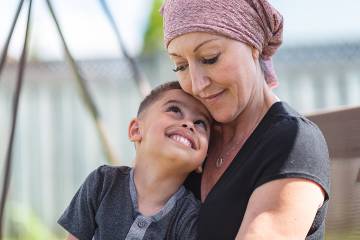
x,y
171,135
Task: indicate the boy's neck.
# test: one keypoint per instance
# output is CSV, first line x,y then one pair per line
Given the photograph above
x,y
154,187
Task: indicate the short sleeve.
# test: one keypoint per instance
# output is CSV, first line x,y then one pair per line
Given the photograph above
x,y
295,147
79,217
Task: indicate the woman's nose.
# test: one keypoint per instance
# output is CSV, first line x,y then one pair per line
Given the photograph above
x,y
199,80
190,127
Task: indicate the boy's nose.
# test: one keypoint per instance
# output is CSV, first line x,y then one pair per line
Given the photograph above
x,y
188,126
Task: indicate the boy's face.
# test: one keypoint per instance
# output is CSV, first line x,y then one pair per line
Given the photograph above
x,y
176,127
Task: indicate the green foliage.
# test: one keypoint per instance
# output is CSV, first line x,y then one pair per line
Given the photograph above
x,y
23,224
154,33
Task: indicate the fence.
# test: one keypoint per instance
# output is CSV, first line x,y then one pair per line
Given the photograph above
x,y
56,144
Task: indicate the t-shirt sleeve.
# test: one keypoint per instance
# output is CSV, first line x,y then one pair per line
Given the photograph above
x,y
295,147
79,217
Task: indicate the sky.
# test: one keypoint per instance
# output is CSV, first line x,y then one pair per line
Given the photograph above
x,y
88,33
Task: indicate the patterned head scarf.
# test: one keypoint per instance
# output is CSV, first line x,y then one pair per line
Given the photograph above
x,y
254,22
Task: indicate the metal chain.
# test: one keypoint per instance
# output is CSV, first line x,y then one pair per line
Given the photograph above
x,y
8,39
22,65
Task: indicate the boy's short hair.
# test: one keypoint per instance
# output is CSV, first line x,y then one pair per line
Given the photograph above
x,y
156,93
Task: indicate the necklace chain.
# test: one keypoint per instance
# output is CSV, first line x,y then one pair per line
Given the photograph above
x,y
220,159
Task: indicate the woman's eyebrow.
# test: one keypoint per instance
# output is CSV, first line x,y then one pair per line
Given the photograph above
x,y
174,54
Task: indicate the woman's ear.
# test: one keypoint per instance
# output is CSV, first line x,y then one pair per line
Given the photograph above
x,y
134,132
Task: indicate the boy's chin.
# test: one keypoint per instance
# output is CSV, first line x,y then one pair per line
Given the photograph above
x,y
181,162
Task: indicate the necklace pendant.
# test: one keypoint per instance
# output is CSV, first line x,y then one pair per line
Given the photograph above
x,y
219,162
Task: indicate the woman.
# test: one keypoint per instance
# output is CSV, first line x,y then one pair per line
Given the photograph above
x,y
266,175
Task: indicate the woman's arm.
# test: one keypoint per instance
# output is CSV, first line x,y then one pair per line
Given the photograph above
x,y
281,209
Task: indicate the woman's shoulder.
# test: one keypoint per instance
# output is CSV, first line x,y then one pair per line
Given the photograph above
x,y
290,134
284,122
293,146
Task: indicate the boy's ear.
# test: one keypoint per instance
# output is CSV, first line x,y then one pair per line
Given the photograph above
x,y
134,132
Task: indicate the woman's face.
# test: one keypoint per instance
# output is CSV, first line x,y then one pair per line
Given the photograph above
x,y
220,72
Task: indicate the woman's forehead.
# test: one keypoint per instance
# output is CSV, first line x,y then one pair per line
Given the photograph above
x,y
193,40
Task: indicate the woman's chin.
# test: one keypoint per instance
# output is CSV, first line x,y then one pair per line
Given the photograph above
x,y
223,116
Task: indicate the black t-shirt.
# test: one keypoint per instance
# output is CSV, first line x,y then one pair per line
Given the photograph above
x,y
284,145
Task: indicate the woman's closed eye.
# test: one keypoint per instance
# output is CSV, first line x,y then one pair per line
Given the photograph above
x,y
210,60
183,67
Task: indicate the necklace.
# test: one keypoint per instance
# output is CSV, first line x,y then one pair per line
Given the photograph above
x,y
220,159
236,146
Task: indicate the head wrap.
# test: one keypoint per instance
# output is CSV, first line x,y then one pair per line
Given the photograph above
x,y
254,22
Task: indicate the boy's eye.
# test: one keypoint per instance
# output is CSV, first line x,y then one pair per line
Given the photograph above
x,y
180,68
210,60
201,123
174,109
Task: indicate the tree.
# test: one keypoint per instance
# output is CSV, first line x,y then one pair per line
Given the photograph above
x,y
154,32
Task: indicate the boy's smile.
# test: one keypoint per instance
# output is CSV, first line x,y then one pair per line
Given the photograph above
x,y
183,136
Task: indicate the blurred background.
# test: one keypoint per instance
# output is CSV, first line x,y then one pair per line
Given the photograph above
x,y
56,143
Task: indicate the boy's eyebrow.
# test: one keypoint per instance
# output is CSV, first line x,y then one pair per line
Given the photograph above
x,y
181,103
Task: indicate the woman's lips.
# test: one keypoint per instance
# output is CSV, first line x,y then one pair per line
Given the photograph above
x,y
212,97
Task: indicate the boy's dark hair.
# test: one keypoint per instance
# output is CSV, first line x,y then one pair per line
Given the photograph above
x,y
156,93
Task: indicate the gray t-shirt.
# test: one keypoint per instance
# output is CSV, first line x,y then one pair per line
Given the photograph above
x,y
105,208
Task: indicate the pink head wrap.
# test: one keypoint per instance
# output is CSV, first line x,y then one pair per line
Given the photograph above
x,y
254,22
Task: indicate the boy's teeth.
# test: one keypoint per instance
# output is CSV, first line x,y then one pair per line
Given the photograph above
x,y
181,140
